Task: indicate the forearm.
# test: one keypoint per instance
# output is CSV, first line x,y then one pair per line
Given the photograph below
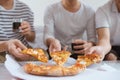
x,y
106,46
3,46
30,37
104,39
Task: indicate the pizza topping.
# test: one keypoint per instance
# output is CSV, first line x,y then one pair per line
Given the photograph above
x,y
60,57
89,59
37,53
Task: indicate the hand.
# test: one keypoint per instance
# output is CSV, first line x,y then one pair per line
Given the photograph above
x,y
82,46
25,28
98,50
14,47
55,46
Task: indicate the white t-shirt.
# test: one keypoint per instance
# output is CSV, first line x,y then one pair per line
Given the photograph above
x,y
65,26
108,16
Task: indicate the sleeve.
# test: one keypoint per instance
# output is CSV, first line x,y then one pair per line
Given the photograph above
x,y
31,19
101,19
91,30
48,24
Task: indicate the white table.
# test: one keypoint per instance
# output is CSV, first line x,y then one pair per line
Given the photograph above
x,y
5,75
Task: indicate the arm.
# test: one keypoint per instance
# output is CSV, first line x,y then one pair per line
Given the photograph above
x,y
27,28
103,45
103,32
49,38
104,39
14,47
30,37
3,46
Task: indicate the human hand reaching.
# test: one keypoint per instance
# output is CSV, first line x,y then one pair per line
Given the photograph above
x,y
14,47
55,46
97,49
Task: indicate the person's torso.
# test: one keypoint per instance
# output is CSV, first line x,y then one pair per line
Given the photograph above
x,y
70,25
113,17
7,17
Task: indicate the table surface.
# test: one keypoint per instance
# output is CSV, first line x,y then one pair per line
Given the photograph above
x,y
5,75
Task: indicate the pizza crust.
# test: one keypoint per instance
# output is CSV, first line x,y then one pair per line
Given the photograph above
x,y
60,57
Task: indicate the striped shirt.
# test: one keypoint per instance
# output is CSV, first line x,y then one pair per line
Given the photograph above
x,y
19,11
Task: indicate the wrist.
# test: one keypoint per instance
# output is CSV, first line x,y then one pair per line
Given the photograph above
x,y
5,43
28,34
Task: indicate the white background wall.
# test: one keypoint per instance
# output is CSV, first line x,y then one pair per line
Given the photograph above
x,y
38,7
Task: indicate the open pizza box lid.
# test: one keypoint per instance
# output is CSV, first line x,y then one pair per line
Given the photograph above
x,y
91,73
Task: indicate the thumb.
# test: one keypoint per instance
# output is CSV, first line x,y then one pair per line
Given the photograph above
x,y
50,49
65,48
91,50
20,45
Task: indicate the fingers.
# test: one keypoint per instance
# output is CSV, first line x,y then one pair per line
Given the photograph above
x,y
55,46
17,53
79,47
25,28
97,50
20,45
80,44
24,23
79,52
65,48
90,51
82,47
79,41
14,47
50,49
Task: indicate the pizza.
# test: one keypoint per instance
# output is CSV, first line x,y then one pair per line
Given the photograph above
x,y
37,53
53,70
60,57
89,59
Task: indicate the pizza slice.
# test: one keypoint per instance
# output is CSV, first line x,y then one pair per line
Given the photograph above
x,y
60,57
37,53
53,70
89,59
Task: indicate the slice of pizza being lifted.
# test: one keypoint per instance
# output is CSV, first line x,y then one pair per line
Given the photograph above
x,y
60,57
89,59
36,53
